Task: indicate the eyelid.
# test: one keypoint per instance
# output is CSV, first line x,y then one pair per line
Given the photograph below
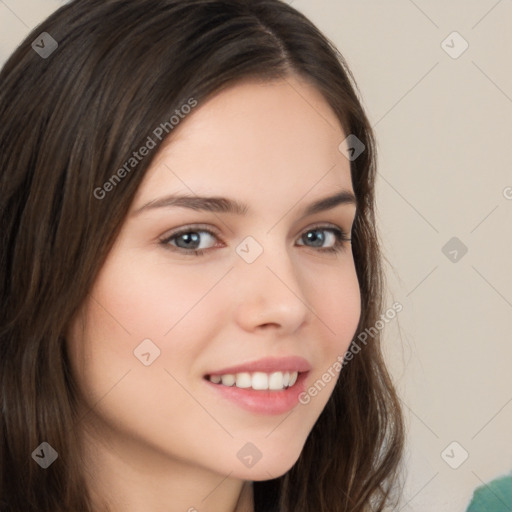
x,y
325,225
190,227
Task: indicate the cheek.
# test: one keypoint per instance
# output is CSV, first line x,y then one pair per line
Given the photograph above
x,y
337,303
149,298
172,309
136,299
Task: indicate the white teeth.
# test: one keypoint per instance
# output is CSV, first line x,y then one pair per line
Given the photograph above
x,y
243,380
228,379
259,380
274,381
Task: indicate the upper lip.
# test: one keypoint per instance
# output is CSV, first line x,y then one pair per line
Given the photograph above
x,y
268,365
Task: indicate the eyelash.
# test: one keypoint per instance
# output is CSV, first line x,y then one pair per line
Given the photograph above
x,y
340,235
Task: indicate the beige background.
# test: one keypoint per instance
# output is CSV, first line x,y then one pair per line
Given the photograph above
x,y
444,129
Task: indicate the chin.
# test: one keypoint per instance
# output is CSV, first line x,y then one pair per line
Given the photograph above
x,y
270,468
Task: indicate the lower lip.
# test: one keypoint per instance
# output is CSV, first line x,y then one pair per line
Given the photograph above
x,y
263,401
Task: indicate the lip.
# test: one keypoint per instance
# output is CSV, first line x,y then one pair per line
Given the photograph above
x,y
264,402
268,365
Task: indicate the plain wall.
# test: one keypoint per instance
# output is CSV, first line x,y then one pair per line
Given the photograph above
x,y
444,132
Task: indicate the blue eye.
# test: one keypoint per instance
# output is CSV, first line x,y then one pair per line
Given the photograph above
x,y
192,240
335,238
197,241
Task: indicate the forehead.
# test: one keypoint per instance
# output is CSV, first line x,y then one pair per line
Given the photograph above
x,y
254,139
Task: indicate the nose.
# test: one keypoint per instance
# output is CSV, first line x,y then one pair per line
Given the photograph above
x,y
270,292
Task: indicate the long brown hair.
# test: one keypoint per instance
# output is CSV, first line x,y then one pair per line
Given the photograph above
x,y
69,120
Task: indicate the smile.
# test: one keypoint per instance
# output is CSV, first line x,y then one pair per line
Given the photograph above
x,y
274,381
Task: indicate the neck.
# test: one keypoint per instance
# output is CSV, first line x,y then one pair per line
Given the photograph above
x,y
246,500
134,478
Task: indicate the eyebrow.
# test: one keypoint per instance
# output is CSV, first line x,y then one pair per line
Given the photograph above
x,y
224,205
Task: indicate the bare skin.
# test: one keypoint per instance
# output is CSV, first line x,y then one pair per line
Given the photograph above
x,y
157,437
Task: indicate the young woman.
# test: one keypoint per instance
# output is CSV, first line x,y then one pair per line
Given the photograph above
x,y
189,260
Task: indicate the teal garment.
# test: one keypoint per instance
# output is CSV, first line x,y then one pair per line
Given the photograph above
x,y
495,496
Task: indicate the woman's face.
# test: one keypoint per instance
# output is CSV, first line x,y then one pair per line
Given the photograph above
x,y
272,282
